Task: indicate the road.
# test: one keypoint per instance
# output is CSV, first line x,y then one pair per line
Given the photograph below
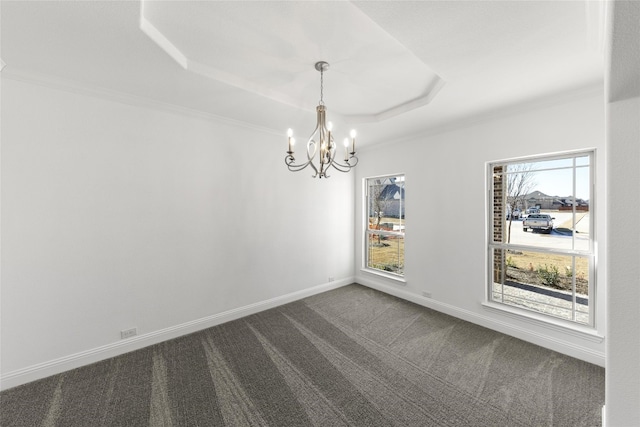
x,y
555,240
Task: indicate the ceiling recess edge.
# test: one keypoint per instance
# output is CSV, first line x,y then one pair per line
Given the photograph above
x,y
190,65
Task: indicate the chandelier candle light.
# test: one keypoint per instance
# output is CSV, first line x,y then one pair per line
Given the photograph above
x,y
321,142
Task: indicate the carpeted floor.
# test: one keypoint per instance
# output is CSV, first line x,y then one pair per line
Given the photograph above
x,y
348,357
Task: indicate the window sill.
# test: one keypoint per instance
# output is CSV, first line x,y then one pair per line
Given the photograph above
x,y
379,273
580,331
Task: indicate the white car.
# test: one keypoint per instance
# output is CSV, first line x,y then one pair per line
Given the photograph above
x,y
542,222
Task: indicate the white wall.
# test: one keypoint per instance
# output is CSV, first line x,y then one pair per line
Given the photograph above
x,y
445,245
623,348
623,133
117,216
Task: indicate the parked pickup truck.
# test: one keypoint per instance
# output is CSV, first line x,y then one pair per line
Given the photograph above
x,y
542,222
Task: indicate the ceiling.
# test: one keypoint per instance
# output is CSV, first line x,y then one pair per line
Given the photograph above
x,y
396,68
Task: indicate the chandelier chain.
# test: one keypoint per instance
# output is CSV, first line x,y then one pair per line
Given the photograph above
x,y
321,87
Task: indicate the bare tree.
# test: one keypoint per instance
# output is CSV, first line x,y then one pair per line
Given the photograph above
x,y
520,182
379,203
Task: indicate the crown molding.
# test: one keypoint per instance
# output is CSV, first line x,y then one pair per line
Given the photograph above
x,y
158,38
78,88
496,114
427,96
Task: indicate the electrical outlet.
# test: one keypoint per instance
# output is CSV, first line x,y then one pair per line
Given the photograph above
x,y
128,333
426,294
331,278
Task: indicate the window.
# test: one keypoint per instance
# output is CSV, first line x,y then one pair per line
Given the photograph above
x,y
541,241
384,236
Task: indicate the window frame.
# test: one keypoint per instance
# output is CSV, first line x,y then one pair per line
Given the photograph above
x,y
590,254
367,232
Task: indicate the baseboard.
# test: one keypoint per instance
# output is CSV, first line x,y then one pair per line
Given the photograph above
x,y
552,343
43,370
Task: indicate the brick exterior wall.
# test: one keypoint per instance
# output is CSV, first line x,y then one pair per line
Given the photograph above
x,y
498,223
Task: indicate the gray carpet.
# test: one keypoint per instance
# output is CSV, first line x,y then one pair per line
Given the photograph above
x,y
348,357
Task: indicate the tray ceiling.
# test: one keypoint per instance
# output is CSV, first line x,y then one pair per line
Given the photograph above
x,y
269,48
397,68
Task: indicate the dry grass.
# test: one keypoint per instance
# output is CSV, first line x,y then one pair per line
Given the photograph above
x,y
386,253
533,260
389,252
523,267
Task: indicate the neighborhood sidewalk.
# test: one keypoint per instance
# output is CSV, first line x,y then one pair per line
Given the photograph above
x,y
582,226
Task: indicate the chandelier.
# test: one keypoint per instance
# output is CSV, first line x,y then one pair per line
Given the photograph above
x,y
321,144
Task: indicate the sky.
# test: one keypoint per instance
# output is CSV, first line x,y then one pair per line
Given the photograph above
x,y
559,183
555,177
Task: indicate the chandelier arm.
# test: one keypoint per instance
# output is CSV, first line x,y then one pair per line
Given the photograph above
x,y
325,163
289,161
316,146
336,163
325,166
311,152
314,168
343,167
311,143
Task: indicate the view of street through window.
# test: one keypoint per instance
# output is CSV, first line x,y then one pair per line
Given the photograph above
x,y
541,247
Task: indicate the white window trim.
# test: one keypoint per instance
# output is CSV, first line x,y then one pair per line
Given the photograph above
x,y
588,331
365,221
550,322
385,274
